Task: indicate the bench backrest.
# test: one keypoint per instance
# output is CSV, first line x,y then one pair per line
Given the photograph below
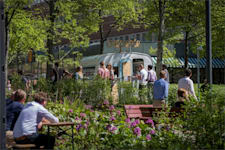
x,y
133,111
151,111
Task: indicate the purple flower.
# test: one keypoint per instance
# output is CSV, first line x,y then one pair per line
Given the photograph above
x,y
133,124
167,128
112,118
118,112
137,121
148,137
152,132
78,127
108,127
88,106
150,121
77,118
106,102
111,108
137,131
83,115
127,120
71,110
111,128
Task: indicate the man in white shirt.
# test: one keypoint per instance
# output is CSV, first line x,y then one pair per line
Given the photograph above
x,y
30,120
151,79
187,84
142,81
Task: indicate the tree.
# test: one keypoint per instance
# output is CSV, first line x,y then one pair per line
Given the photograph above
x,y
157,17
190,21
69,22
218,28
122,14
26,33
14,9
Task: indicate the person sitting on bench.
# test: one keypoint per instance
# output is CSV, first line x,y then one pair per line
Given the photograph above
x,y
30,120
182,97
14,107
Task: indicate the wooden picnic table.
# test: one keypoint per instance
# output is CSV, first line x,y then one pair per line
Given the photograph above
x,y
62,131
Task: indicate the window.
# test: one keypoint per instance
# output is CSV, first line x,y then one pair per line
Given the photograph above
x,y
143,36
136,63
121,38
115,38
126,37
132,37
137,36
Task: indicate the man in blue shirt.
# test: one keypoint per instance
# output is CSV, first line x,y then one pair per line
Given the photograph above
x,y
14,107
160,90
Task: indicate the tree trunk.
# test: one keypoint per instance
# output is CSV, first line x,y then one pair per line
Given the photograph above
x,y
50,37
101,34
160,38
186,50
6,47
101,46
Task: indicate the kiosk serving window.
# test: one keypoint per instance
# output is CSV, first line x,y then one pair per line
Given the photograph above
x,y
136,63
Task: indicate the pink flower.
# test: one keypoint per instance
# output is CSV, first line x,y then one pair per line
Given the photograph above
x,y
137,131
133,124
148,137
118,112
71,110
127,120
77,118
111,108
88,106
152,132
137,121
112,118
82,115
111,128
150,121
106,102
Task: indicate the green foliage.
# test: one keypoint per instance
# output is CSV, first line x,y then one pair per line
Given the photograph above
x,y
91,92
200,127
16,82
26,32
127,93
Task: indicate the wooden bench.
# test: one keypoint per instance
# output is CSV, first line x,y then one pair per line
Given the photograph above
x,y
134,111
23,146
149,112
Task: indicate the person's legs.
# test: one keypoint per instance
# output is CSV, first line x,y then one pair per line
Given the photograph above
x,y
44,140
143,92
159,103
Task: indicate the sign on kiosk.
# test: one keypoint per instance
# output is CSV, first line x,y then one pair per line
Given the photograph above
x,y
30,56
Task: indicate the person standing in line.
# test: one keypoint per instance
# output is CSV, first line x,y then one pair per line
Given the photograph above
x,y
30,120
142,77
164,68
79,73
111,72
187,84
101,70
160,90
107,73
151,79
